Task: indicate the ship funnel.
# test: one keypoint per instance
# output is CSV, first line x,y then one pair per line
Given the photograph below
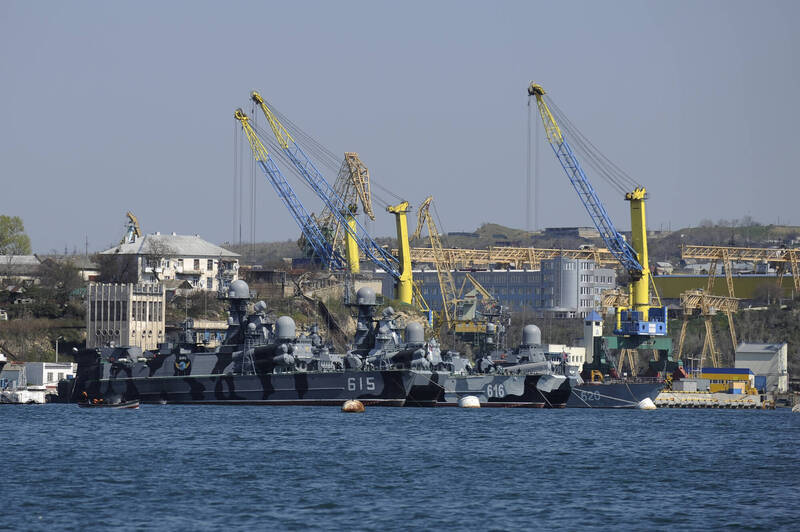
x,y
415,334
531,335
285,328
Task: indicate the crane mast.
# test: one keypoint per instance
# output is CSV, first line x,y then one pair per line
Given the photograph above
x,y
640,319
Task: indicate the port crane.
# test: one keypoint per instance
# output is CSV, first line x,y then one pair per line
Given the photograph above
x,y
353,186
782,257
709,305
358,238
447,285
639,318
132,231
309,227
515,257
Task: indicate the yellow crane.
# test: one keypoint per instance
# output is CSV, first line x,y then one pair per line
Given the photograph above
x,y
783,258
133,231
515,257
708,305
447,285
353,186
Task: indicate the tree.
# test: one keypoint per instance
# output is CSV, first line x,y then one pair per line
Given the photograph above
x,y
13,240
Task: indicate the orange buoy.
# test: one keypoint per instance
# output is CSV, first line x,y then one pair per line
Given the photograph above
x,y
353,405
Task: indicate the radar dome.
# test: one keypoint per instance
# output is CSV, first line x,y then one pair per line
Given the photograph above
x,y
239,290
415,334
285,328
531,335
365,296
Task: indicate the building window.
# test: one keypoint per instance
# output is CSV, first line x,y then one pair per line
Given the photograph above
x,y
210,283
210,265
49,376
196,264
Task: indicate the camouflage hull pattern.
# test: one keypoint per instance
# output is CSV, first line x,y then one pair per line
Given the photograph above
x,y
184,379
612,394
502,391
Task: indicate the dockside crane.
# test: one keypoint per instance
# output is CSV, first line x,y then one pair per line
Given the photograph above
x,y
447,285
338,208
353,186
709,305
639,324
309,227
639,319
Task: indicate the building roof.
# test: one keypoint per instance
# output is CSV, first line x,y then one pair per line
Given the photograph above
x,y
594,316
171,245
765,349
82,262
11,265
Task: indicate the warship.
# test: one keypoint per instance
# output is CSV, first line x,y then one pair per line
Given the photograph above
x,y
599,384
445,377
264,361
260,361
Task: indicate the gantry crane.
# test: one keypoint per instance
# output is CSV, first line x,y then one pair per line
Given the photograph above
x,y
708,305
311,231
639,318
729,254
515,257
336,205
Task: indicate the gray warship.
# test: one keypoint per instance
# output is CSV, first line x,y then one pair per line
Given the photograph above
x,y
263,361
260,361
445,377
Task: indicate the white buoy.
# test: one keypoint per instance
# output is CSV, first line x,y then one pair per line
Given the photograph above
x,y
469,401
353,405
646,404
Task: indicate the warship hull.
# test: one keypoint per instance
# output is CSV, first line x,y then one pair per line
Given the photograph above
x,y
320,388
620,394
496,391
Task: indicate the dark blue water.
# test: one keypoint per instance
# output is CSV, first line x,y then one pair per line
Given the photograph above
x,y
261,468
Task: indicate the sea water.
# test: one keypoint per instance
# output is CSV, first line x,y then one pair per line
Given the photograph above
x,y
167,467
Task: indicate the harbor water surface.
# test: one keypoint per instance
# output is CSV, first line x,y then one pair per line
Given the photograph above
x,y
261,468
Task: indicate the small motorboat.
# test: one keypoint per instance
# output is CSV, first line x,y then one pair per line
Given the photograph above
x,y
99,403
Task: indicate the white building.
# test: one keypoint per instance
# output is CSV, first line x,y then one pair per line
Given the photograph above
x,y
48,374
768,360
158,258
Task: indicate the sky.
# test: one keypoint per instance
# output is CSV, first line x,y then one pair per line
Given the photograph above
x,y
107,107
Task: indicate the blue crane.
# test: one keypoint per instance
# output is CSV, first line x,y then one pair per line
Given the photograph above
x,y
640,319
311,230
336,205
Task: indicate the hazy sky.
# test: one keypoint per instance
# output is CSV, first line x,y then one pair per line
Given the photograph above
x,y
113,106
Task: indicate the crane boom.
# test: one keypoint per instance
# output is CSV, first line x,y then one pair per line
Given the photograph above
x,y
308,226
306,168
615,242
